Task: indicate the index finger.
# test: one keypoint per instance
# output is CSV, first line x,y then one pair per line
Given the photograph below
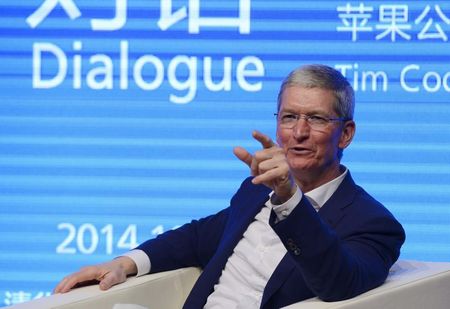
x,y
265,140
70,281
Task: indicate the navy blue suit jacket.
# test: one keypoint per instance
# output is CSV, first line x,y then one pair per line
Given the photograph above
x,y
341,251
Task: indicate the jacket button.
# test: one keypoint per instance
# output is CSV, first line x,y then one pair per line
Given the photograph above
x,y
290,244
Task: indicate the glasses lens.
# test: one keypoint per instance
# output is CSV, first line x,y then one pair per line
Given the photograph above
x,y
317,122
287,120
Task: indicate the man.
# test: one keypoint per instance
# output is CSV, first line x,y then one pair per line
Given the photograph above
x,y
299,228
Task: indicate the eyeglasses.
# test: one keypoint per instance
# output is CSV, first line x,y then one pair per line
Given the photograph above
x,y
315,122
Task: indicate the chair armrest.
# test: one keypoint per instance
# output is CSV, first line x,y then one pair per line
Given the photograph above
x,y
410,284
162,290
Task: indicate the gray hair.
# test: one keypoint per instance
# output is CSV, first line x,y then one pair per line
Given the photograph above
x,y
324,77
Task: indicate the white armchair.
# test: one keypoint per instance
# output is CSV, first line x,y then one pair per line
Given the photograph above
x,y
411,285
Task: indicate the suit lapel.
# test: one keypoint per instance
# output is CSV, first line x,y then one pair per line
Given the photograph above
x,y
334,209
242,213
283,270
243,209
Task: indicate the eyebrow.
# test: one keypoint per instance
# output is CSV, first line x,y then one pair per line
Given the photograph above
x,y
313,112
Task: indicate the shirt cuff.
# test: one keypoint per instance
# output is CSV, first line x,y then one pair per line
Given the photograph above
x,y
141,260
282,211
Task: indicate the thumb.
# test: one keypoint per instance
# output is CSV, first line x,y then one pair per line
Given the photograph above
x,y
109,280
243,155
106,283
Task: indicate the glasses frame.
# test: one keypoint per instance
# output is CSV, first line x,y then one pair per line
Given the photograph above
x,y
311,124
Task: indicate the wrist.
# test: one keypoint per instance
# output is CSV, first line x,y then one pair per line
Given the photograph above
x,y
127,264
281,198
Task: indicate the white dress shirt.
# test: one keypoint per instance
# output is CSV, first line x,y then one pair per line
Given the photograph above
x,y
255,257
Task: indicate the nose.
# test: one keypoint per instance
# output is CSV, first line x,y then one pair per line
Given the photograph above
x,y
301,128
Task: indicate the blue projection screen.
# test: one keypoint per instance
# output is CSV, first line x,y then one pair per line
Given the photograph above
x,y
118,118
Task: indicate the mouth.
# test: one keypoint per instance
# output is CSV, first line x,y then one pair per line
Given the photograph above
x,y
299,150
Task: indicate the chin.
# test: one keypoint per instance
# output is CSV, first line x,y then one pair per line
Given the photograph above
x,y
300,166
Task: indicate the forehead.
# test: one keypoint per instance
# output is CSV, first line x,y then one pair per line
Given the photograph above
x,y
301,99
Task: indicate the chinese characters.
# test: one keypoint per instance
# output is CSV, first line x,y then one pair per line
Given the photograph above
x,y
17,297
395,22
148,71
168,17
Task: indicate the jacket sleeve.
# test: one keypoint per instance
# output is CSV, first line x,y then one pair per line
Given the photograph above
x,y
192,244
342,259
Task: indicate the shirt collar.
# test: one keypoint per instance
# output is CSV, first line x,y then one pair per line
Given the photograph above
x,y
318,196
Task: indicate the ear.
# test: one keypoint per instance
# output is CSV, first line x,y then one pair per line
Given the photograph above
x,y
348,131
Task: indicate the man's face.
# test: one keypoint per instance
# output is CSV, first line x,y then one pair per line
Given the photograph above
x,y
312,152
